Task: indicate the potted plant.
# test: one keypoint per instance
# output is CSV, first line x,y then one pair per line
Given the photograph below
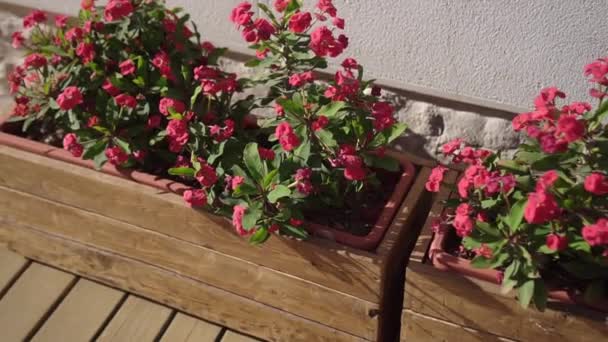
x,y
534,223
130,89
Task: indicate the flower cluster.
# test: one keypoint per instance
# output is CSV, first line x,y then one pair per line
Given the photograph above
x,y
543,215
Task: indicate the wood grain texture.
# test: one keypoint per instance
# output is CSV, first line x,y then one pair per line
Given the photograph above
x,y
353,272
242,277
29,299
470,303
10,265
168,288
81,313
232,336
185,328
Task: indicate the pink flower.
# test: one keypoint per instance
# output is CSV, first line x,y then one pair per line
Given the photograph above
x,y
35,61
206,175
305,187
597,184
547,97
338,22
195,197
464,209
127,67
236,181
550,144
287,138
570,128
383,116
281,5
350,63
435,179
297,80
87,4
116,156
261,54
354,170
541,208
547,180
17,40
597,71
576,108
321,122
177,134
126,100
34,18
241,14
153,121
61,21
452,146
86,51
279,109
596,234
483,251
464,225
110,88
326,6
265,29
557,242
163,63
300,22
464,185
266,154
74,34
69,98
117,9
70,144
222,134
238,212
167,103
303,174
323,43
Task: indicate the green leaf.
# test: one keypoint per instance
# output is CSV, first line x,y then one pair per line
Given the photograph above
x,y
251,217
91,151
252,63
278,192
270,178
197,91
253,162
245,190
123,145
303,152
513,166
525,293
516,215
331,109
487,228
326,138
540,295
182,171
395,132
386,163
259,237
292,106
296,232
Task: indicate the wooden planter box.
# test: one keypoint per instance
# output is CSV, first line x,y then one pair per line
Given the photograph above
x,y
136,237
441,305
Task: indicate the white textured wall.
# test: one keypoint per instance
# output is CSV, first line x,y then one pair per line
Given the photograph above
x,y
492,52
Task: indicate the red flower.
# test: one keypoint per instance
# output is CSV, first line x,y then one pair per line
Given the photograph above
x,y
483,251
326,6
547,97
323,43
70,144
452,146
547,180
127,67
464,225
300,22
74,34
241,14
168,103
464,209
596,234
177,134
287,138
61,21
274,228
338,22
34,18
153,121
110,88
222,134
550,144
93,121
86,51
117,9
162,62
570,128
281,5
350,63
237,219
321,122
35,61
305,187
69,98
435,179
303,174
557,242
541,208
206,175
266,154
597,71
295,222
195,197
297,80
116,156
597,184
265,29
126,100
17,40
354,170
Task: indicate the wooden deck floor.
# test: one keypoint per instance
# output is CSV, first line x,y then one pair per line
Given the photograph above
x,y
40,303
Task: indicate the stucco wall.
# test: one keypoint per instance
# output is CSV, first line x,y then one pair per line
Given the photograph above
x,y
492,52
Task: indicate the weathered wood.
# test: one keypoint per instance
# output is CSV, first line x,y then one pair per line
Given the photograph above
x,y
453,298
238,276
137,320
417,327
334,266
232,336
29,300
169,288
81,314
10,266
186,328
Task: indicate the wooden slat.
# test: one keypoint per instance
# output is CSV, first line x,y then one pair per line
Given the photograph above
x,y
137,320
29,299
242,277
185,328
350,271
81,313
169,288
232,336
10,265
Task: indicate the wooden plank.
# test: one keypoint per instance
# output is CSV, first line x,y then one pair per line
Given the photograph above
x,y
10,265
467,302
81,313
417,327
168,288
137,320
242,277
232,336
29,299
353,272
185,328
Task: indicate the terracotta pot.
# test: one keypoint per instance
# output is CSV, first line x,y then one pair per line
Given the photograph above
x,y
447,262
368,242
